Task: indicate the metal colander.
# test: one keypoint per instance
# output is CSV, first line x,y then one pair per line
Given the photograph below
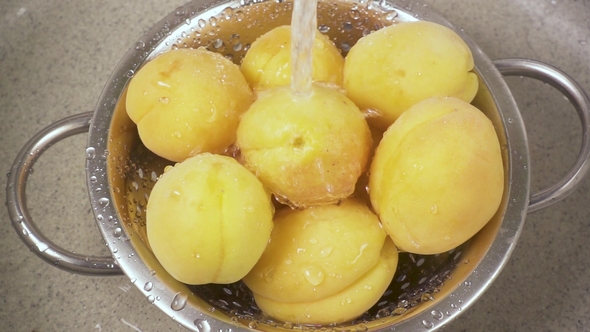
x,y
427,290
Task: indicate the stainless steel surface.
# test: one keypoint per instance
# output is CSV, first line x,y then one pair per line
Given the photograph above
x,y
579,99
16,201
543,287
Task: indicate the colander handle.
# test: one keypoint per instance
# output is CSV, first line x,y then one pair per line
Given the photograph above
x,y
579,99
17,201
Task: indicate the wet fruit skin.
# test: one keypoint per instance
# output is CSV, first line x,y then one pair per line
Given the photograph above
x,y
307,152
188,101
268,61
343,306
437,176
208,220
317,252
395,67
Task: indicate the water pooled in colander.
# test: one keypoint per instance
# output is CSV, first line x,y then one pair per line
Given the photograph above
x,y
418,277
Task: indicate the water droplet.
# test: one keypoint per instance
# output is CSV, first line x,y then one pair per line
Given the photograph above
x,y
434,209
178,301
345,46
202,23
139,45
427,324
202,325
268,274
314,275
118,232
325,252
180,11
213,21
227,13
218,43
93,179
133,280
42,247
239,15
90,153
437,314
25,232
510,120
151,298
253,324
129,73
390,16
148,286
164,100
324,28
104,202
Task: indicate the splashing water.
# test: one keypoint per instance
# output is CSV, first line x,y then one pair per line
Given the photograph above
x,y
303,29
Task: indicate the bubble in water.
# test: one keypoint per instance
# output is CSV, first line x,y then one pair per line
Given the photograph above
x,y
90,153
178,301
323,28
202,325
213,21
148,286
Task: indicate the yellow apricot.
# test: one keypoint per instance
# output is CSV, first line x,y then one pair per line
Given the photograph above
x,y
307,151
317,252
437,176
268,61
188,101
396,67
208,220
343,306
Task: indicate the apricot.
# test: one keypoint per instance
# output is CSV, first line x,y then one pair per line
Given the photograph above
x,y
343,306
317,252
397,66
437,176
308,151
188,101
268,61
208,220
